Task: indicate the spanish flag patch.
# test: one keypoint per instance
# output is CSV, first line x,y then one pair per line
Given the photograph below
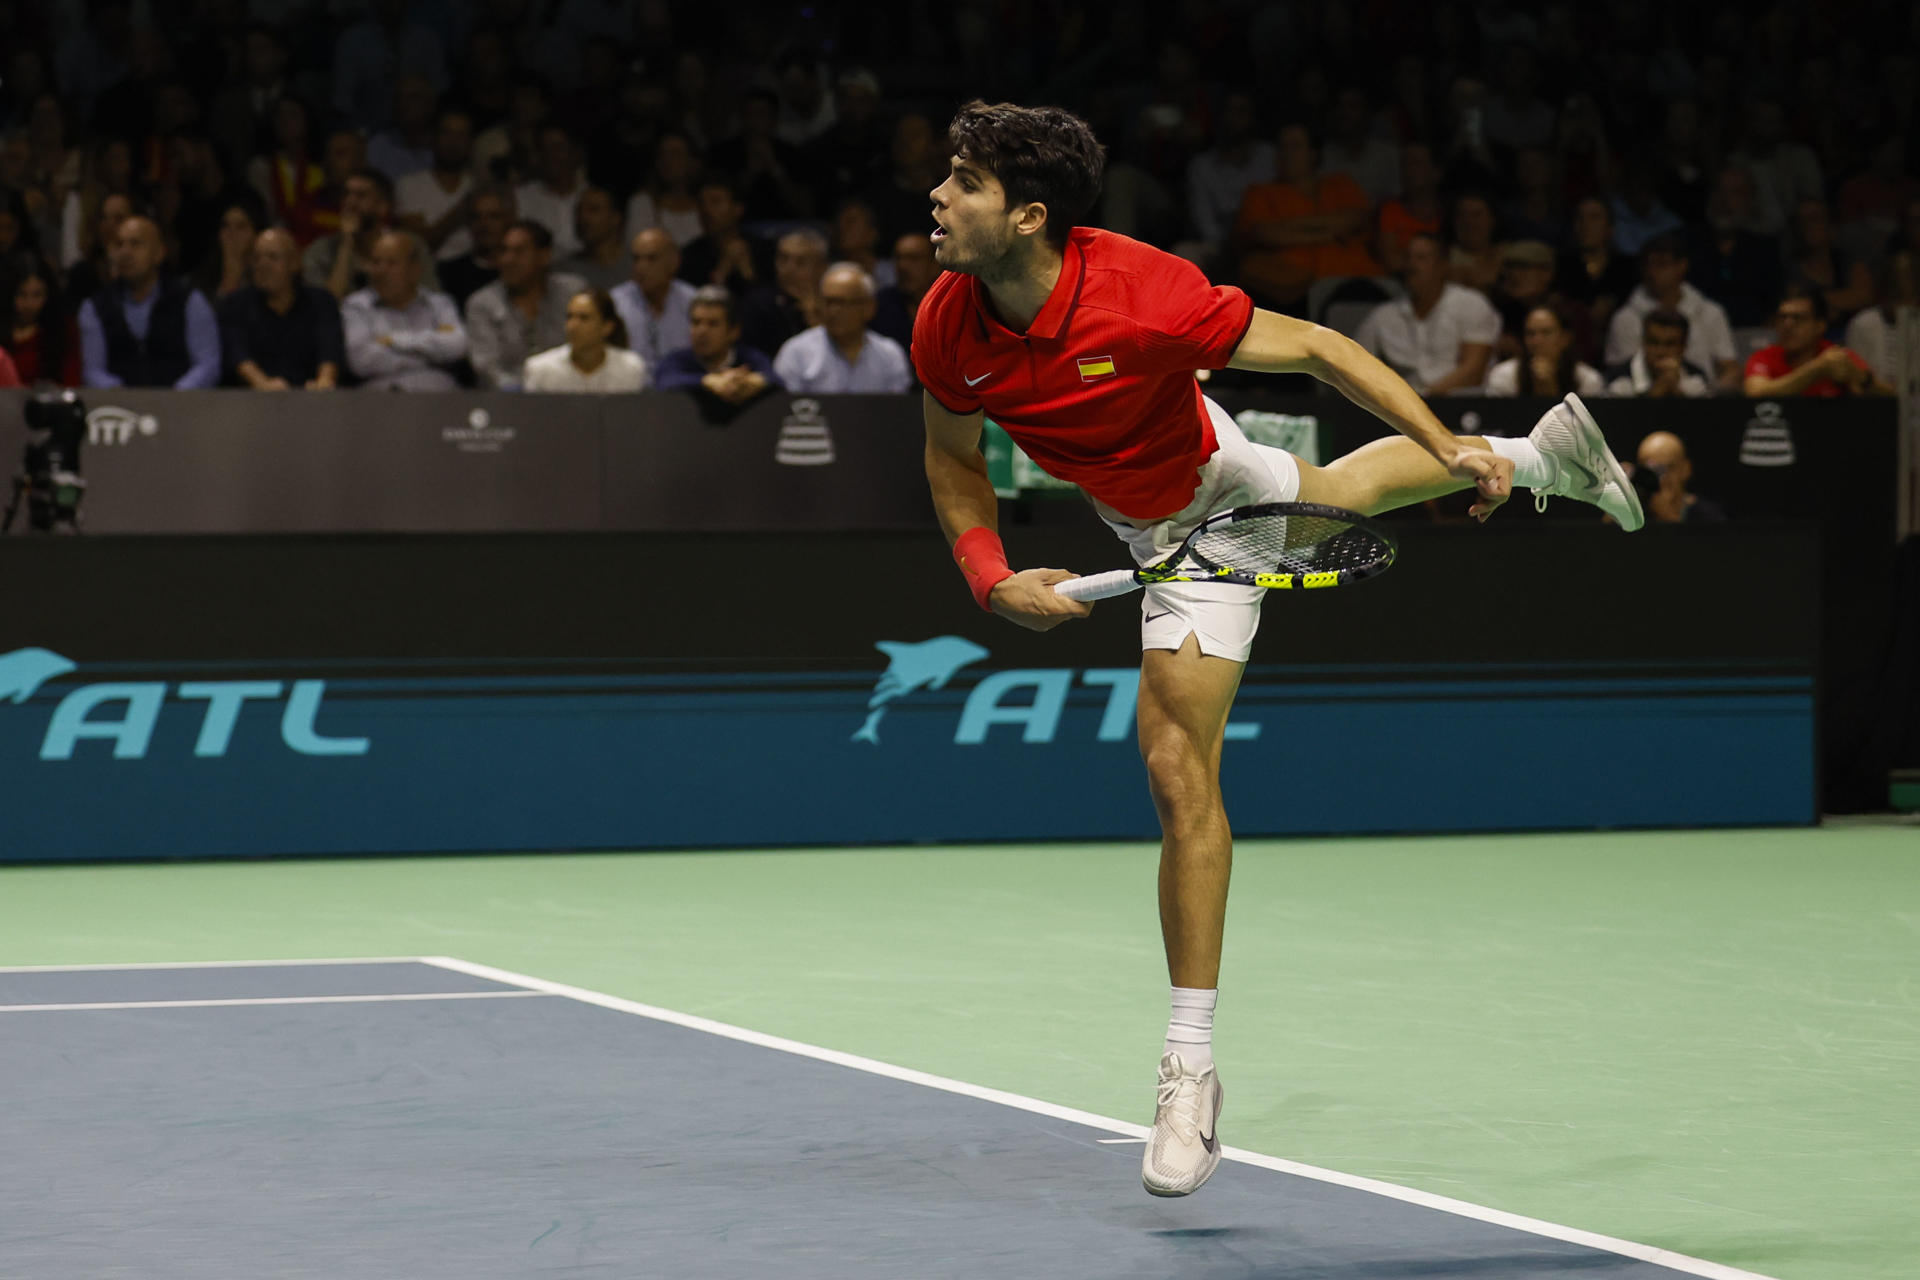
x,y
1093,368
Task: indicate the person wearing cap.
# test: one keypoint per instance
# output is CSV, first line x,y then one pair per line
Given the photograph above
x,y
1524,282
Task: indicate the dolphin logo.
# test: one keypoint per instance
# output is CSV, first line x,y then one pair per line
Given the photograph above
x,y
23,671
926,665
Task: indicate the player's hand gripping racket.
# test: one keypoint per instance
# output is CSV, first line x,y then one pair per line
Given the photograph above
x,y
1282,546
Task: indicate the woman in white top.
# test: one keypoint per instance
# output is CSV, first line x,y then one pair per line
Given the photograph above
x,y
1548,368
595,357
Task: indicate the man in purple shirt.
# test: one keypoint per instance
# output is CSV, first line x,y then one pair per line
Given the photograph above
x,y
143,329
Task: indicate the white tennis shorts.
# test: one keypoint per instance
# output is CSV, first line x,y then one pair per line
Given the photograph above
x,y
1224,618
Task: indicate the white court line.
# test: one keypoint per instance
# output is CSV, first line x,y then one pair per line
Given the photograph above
x,y
1460,1208
205,964
257,1000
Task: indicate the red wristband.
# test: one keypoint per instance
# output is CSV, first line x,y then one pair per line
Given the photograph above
x,y
983,559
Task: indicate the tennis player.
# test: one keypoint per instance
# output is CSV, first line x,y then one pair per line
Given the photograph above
x,y
1083,345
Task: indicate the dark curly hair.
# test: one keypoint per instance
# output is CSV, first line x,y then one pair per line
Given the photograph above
x,y
1040,155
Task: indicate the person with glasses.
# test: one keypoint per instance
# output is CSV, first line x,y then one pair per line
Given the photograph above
x,y
1804,362
841,354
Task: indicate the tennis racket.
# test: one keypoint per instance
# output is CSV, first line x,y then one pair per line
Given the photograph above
x,y
1282,546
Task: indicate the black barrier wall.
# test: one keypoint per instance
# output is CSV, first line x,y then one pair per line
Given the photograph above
x,y
191,696
252,462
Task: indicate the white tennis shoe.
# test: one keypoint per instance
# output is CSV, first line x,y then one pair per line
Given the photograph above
x,y
1184,1148
1585,469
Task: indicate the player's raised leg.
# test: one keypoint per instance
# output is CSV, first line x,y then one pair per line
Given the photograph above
x,y
1565,455
1185,697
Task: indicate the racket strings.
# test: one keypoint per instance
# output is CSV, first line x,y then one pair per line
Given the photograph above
x,y
1293,544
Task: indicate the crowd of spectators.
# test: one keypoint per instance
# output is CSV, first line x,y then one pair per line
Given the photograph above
x,y
1497,198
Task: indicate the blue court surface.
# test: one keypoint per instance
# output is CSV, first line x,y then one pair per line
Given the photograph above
x,y
438,1120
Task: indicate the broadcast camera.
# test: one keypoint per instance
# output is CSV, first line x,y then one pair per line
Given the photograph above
x,y
50,480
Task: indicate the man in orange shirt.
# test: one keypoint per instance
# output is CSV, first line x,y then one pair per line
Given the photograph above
x,y
1305,227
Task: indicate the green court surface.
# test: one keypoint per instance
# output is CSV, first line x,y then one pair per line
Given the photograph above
x,y
1707,1041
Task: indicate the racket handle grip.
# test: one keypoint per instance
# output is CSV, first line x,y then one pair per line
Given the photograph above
x,y
1098,586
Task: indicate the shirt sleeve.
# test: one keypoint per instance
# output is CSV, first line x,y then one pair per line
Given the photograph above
x,y
329,339
9,376
1622,334
933,358
1184,323
1481,324
1504,380
235,332
1719,335
787,364
93,349
203,345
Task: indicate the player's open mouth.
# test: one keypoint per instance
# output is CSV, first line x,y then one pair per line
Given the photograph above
x,y
939,233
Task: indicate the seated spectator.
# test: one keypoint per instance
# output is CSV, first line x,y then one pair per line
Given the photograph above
x,y
1525,283
1548,366
723,254
1731,262
1874,333
406,146
1784,173
339,263
1812,259
918,164
715,365
35,328
1218,177
772,173
93,268
791,304
1416,209
669,200
489,212
1663,272
17,232
280,332
227,269
1533,212
344,155
595,357
1441,335
522,312
1659,367
1592,273
914,272
1477,255
1871,203
432,202
852,155
550,199
289,179
400,337
194,199
654,305
1517,117
144,329
603,260
841,354
1305,226
1638,214
1661,472
856,239
1804,362
368,53
1355,150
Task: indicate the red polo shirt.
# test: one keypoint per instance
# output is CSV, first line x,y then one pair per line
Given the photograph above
x,y
1771,362
1099,390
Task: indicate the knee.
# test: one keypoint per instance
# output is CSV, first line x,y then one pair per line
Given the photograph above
x,y
1181,775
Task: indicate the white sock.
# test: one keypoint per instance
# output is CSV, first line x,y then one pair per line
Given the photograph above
x,y
1190,1031
1532,469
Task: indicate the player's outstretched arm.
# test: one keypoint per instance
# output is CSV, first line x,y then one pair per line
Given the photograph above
x,y
1282,344
969,514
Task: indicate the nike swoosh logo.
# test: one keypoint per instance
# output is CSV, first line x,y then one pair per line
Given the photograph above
x,y
1155,617
974,382
1592,479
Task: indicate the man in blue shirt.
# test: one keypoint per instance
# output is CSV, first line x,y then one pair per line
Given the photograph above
x,y
841,354
143,329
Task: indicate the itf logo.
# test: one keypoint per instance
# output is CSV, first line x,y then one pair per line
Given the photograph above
x,y
88,712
